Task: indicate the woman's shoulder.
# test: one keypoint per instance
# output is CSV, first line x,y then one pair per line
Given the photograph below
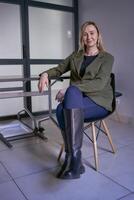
x,y
76,54
106,55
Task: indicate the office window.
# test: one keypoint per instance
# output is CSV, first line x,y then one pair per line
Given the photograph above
x,y
10,31
13,105
51,33
6,105
11,70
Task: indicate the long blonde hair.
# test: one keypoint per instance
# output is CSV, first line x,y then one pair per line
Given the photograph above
x,y
99,42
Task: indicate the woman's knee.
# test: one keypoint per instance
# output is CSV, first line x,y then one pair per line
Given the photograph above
x,y
73,91
73,98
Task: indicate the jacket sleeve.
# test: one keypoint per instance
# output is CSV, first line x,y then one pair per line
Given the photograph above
x,y
60,69
99,81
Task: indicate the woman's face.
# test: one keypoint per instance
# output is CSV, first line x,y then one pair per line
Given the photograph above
x,y
90,36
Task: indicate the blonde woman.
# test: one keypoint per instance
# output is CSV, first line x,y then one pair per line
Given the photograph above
x,y
89,95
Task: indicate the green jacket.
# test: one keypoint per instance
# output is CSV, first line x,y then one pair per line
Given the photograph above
x,y
96,81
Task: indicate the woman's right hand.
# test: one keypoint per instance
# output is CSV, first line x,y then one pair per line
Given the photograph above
x,y
43,82
60,95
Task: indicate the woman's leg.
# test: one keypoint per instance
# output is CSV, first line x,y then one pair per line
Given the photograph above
x,y
92,111
72,110
70,117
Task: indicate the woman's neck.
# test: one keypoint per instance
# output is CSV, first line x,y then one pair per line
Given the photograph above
x,y
91,51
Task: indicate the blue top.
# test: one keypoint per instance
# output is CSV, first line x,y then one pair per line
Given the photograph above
x,y
86,61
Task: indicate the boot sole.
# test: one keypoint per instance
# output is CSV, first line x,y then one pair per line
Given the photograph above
x,y
82,169
73,176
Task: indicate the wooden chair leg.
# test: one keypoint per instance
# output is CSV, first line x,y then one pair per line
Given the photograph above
x,y
108,135
118,118
61,151
95,146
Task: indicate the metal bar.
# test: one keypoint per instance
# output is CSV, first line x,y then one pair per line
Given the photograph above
x,y
5,95
76,24
88,136
11,89
3,139
45,61
50,98
51,6
12,1
11,62
24,79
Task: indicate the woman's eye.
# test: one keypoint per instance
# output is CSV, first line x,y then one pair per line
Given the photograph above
x,y
85,34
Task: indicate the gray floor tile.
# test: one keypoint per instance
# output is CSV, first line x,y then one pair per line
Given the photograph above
x,y
9,191
2,146
52,131
29,159
122,134
128,197
27,142
119,167
4,176
91,185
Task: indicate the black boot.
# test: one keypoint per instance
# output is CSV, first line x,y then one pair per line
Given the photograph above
x,y
66,155
67,158
72,167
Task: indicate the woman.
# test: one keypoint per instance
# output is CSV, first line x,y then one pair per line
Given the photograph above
x,y
89,95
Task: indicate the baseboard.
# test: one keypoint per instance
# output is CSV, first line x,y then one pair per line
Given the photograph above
x,y
122,118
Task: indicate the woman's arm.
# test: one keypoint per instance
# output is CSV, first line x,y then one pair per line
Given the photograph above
x,y
62,68
54,72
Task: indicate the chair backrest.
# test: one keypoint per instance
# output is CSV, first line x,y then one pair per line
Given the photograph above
x,y
113,87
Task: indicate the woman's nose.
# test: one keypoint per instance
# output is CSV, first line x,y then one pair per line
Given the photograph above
x,y
88,36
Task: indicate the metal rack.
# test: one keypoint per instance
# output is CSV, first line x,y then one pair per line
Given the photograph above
x,y
37,129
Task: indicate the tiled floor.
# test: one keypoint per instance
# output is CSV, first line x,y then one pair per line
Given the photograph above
x,y
27,171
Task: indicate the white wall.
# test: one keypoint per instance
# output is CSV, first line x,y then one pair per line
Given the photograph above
x,y
115,19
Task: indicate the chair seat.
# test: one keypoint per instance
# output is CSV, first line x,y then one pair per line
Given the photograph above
x,y
97,118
